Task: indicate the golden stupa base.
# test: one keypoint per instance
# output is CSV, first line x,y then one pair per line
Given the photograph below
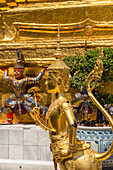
x,y
33,26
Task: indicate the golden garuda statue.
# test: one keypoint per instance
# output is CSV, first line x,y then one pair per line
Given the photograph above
x,y
69,152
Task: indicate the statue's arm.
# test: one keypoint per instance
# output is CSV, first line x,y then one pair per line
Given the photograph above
x,y
32,80
6,77
71,123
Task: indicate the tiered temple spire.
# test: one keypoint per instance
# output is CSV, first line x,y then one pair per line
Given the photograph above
x,y
58,54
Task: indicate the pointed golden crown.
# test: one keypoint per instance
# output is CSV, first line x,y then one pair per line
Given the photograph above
x,y
58,64
58,53
60,67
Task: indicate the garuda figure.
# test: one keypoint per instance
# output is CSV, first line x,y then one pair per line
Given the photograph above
x,y
19,100
69,152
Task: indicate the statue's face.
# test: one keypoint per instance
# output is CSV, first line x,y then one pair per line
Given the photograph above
x,y
51,82
55,79
18,72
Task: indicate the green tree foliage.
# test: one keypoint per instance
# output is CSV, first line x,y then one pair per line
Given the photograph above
x,y
81,66
108,64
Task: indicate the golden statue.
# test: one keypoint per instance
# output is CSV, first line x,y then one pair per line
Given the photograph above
x,y
69,152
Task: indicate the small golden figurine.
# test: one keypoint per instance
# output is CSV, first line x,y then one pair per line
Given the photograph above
x,y
69,152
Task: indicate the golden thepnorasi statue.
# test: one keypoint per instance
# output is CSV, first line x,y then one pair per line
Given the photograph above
x,y
69,152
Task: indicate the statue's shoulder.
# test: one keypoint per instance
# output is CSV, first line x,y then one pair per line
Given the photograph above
x,y
62,100
58,102
55,105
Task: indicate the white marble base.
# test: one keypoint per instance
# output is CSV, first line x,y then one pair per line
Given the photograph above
x,y
24,142
24,147
9,164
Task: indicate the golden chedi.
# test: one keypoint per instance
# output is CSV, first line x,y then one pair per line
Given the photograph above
x,y
32,25
35,22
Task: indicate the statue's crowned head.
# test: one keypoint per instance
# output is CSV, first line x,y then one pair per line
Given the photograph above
x,y
58,72
58,75
19,67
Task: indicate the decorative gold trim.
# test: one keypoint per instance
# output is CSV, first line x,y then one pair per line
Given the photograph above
x,y
66,28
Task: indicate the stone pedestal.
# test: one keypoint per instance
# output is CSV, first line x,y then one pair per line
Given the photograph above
x,y
24,147
9,164
24,142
